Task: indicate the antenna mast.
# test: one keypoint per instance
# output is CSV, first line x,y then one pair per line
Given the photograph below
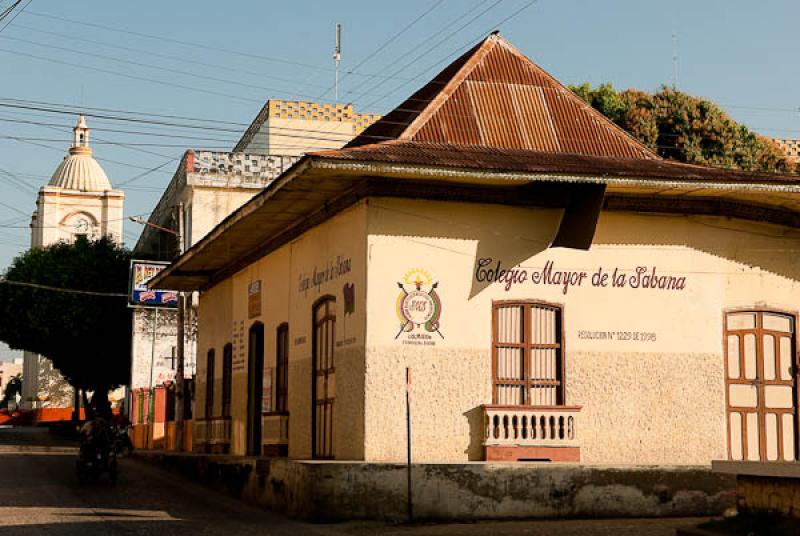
x,y
337,56
674,60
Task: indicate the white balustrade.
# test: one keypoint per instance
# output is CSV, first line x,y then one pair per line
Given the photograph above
x,y
275,429
219,430
215,431
531,426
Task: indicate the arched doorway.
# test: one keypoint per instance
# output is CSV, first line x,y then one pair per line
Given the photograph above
x,y
255,384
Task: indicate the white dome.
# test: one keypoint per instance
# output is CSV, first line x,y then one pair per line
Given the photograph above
x,y
79,171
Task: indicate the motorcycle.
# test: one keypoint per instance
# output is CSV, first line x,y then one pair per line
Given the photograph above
x,y
97,454
122,444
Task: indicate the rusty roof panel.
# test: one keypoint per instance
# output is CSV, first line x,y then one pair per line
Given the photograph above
x,y
505,67
532,114
456,121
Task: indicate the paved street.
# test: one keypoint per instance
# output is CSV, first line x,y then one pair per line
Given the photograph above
x,y
39,494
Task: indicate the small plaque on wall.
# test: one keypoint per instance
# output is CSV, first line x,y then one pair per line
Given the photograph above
x,y
254,299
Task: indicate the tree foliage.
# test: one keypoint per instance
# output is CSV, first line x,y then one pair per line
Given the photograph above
x,y
686,128
87,337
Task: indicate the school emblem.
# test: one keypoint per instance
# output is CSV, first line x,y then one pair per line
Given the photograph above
x,y
419,307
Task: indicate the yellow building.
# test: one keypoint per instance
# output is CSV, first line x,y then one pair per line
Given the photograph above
x,y
790,147
293,128
544,286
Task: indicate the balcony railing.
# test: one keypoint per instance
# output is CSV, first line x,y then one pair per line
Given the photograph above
x,y
214,431
275,429
524,426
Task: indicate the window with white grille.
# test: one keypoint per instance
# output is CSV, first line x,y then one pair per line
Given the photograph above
x,y
527,354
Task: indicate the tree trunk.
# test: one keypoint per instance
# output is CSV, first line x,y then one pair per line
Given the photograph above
x,y
76,407
87,406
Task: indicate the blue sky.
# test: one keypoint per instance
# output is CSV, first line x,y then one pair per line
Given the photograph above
x,y
743,55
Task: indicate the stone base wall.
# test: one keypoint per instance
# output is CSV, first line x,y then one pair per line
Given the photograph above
x,y
329,491
768,495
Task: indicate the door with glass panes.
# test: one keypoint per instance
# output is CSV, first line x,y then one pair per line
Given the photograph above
x,y
760,387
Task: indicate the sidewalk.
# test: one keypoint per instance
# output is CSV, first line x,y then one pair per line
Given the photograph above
x,y
34,439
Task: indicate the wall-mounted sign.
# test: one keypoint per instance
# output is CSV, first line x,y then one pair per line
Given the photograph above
x,y
349,293
320,275
254,299
141,296
419,308
488,270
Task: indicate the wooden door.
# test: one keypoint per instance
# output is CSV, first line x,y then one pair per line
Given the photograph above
x,y
760,386
324,378
255,383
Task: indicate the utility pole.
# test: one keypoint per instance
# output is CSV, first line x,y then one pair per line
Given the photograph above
x,y
179,347
337,56
410,502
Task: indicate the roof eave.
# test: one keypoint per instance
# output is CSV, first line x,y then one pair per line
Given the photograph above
x,y
175,278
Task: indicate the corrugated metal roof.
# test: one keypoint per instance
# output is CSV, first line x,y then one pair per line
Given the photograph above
x,y
495,97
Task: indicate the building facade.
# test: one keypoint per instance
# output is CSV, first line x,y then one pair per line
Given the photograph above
x,y
790,147
207,187
289,127
535,282
78,201
9,370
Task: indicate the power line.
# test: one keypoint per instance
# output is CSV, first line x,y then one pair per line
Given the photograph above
x,y
9,10
237,83
458,50
181,59
79,108
385,44
191,44
62,289
131,76
463,15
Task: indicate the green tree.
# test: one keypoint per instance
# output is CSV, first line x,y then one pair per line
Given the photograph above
x,y
686,128
86,336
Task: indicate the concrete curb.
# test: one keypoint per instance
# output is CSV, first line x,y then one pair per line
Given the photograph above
x,y
37,449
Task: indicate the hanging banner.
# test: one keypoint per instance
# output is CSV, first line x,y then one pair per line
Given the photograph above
x,y
141,296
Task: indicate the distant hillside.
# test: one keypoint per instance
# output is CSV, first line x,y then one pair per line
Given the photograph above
x,y
686,128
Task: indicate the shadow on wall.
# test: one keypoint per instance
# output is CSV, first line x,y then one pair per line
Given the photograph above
x,y
474,450
514,234
754,244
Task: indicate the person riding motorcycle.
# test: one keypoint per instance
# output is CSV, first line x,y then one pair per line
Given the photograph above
x,y
96,454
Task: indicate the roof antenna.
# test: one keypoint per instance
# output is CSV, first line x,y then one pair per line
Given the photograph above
x,y
337,56
674,61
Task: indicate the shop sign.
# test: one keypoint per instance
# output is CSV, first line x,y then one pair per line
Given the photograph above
x,y
488,270
254,299
139,295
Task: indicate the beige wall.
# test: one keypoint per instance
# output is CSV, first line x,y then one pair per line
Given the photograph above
x,y
295,137
207,206
223,318
654,401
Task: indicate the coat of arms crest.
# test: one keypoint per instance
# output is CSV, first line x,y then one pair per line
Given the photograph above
x,y
418,304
